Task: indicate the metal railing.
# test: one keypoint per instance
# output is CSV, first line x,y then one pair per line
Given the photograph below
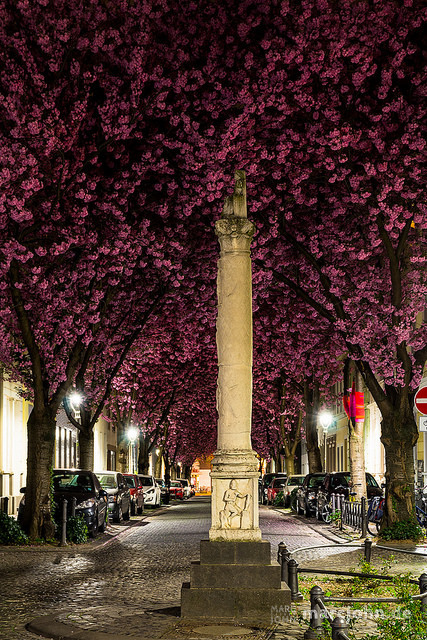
x,y
318,600
349,512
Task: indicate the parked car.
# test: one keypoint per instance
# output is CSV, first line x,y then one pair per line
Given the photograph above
x,y
275,488
292,482
152,491
176,489
186,486
136,493
339,483
266,479
306,495
84,486
119,500
164,490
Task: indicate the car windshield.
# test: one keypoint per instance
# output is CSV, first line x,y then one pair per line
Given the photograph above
x,y
340,481
146,482
316,481
130,481
174,483
72,482
279,482
294,480
108,481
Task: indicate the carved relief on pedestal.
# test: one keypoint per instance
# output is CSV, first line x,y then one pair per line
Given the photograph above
x,y
236,512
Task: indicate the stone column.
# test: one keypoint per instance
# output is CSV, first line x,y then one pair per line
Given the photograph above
x,y
234,466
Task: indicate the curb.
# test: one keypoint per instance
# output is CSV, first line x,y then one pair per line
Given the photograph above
x,y
48,627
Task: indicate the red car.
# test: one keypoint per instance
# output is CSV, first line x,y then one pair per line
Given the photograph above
x,y
136,493
176,490
274,488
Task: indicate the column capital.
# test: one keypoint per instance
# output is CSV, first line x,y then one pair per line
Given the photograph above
x,y
234,233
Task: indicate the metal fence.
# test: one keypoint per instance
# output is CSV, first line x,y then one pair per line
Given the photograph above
x,y
318,600
349,512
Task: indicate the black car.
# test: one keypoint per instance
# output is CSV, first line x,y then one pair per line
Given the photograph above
x,y
164,489
339,483
266,480
306,495
90,498
119,498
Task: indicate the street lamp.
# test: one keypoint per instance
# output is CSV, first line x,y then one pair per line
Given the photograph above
x,y
75,399
132,434
325,418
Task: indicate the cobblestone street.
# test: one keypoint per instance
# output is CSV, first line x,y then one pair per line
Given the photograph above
x,y
127,583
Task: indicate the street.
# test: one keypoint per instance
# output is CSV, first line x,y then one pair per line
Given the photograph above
x,y
112,583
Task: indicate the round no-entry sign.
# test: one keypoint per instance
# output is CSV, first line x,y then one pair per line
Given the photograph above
x,y
421,400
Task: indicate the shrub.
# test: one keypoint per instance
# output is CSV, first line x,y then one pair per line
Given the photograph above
x,y
77,530
406,530
10,531
279,500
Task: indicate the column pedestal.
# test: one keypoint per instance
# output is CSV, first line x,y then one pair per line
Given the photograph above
x,y
235,582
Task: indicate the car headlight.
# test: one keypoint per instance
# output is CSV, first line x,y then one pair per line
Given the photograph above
x,y
86,504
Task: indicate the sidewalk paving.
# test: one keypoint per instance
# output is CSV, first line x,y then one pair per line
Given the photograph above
x,y
147,564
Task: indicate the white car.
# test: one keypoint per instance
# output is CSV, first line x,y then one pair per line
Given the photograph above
x,y
152,491
186,486
292,482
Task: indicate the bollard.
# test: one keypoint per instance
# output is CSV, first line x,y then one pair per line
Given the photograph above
x,y
334,505
5,502
293,580
341,508
423,589
64,524
315,629
73,506
339,627
283,557
368,549
363,515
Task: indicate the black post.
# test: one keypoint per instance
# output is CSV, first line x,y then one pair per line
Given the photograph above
x,y
293,580
368,549
283,557
315,629
339,627
5,502
423,589
363,515
64,523
341,508
73,506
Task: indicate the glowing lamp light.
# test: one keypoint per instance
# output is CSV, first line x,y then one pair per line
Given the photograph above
x,y
326,419
132,433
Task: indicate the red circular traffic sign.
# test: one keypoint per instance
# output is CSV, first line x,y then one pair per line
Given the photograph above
x,y
421,400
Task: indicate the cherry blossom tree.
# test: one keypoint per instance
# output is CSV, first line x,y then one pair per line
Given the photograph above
x,y
122,124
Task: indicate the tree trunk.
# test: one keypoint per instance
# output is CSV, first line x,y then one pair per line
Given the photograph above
x,y
143,456
86,453
399,435
313,451
312,403
122,448
290,464
37,519
357,458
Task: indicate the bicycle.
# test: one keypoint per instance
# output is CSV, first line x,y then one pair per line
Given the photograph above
x,y
377,507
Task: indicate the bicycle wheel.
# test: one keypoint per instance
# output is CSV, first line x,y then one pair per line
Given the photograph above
x,y
421,517
326,513
373,527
